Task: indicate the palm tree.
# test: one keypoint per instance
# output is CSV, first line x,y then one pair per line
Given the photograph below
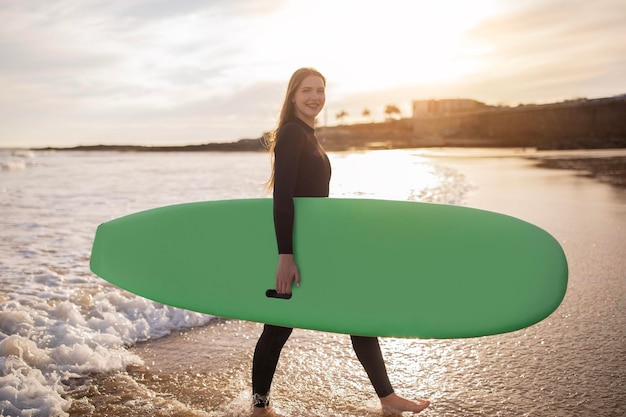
x,y
392,110
341,115
367,114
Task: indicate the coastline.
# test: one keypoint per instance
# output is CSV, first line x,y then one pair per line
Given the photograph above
x,y
242,145
611,170
351,145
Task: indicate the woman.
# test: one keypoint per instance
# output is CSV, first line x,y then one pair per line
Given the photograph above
x,y
302,169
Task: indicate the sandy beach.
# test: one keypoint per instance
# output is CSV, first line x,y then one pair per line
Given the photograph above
x,y
569,364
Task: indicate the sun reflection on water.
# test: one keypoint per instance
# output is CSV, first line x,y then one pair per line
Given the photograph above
x,y
396,175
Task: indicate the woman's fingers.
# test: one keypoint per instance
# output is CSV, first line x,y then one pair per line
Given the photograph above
x,y
286,273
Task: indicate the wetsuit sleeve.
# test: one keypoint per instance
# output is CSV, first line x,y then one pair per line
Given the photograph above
x,y
287,154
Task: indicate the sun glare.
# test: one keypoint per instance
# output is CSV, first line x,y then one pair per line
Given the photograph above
x,y
388,44
392,174
369,46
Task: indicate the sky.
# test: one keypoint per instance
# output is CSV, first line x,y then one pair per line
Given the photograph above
x,y
165,72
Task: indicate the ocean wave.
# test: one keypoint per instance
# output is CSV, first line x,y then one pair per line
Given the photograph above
x,y
16,160
46,343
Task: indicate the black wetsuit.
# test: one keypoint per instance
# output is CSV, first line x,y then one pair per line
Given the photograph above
x,y
302,169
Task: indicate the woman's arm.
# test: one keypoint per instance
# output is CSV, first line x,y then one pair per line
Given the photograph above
x,y
287,154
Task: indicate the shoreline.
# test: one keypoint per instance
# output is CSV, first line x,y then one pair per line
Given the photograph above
x,y
611,170
607,165
607,169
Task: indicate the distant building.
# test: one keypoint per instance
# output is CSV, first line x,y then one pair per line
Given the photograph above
x,y
423,108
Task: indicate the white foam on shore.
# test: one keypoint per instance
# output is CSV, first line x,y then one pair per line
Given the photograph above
x,y
44,344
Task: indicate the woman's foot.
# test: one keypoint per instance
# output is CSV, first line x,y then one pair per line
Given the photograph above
x,y
264,412
394,404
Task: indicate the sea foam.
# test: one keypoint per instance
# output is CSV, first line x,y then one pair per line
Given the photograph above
x,y
46,344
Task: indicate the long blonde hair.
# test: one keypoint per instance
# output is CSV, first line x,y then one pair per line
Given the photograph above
x,y
287,112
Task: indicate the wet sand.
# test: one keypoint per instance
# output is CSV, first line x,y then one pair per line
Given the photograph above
x,y
569,364
611,170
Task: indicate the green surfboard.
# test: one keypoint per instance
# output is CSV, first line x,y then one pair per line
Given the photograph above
x,y
367,267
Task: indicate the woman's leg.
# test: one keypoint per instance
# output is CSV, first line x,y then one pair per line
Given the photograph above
x,y
369,354
264,363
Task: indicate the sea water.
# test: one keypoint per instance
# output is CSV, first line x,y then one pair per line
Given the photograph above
x,y
57,320
60,324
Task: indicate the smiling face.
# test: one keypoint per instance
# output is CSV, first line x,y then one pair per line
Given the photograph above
x,y
309,99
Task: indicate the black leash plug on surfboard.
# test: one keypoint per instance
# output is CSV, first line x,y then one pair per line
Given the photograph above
x,y
274,294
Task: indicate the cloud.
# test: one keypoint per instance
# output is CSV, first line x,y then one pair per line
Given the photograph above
x,y
189,71
561,48
163,9
160,9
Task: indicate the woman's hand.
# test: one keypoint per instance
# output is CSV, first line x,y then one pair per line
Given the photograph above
x,y
286,273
